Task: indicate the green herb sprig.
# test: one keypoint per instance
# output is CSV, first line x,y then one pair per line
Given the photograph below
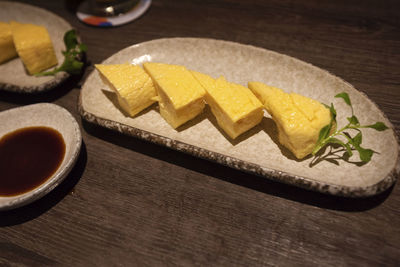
x,y
72,56
328,134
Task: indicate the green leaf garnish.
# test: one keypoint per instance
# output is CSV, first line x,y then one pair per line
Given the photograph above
x,y
379,126
323,133
353,120
326,136
345,97
70,40
365,154
333,112
72,56
357,140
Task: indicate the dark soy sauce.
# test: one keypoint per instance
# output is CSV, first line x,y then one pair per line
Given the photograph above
x,y
28,157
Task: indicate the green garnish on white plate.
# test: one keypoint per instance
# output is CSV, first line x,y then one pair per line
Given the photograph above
x,y
73,63
350,143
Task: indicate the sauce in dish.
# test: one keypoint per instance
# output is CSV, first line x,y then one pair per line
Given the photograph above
x,y
28,157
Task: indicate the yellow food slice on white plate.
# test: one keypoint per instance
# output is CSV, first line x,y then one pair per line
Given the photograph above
x,y
34,46
180,96
235,107
7,47
134,87
299,119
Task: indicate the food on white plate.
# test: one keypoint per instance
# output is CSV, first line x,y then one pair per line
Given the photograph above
x,y
7,47
234,106
133,86
179,94
299,119
34,46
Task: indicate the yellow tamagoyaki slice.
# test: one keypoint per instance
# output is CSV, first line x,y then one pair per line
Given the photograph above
x,y
180,96
132,84
7,48
299,119
34,46
235,107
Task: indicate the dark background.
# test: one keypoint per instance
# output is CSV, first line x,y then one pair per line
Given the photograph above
x,y
130,202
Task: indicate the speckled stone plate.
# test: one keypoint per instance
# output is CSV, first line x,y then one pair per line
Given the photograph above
x,y
258,150
47,115
13,76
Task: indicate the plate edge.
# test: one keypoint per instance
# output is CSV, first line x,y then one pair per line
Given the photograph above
x,y
252,168
283,177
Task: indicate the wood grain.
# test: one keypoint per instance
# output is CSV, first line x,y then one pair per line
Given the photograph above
x,y
130,202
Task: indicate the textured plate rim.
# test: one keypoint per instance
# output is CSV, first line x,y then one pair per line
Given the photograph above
x,y
44,87
272,174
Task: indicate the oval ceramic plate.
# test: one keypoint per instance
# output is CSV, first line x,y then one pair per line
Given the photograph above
x,y
256,151
13,76
48,115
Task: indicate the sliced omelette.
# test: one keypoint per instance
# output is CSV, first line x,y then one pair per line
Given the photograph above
x,y
134,87
234,106
180,96
299,119
7,47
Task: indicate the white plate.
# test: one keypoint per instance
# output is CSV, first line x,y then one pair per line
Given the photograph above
x,y
257,151
48,115
13,76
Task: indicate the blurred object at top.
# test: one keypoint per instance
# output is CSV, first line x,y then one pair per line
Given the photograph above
x,y
109,13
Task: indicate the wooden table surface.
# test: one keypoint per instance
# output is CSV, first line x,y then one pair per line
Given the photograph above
x,y
128,202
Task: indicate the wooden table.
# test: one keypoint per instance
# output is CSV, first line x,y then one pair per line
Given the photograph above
x,y
130,202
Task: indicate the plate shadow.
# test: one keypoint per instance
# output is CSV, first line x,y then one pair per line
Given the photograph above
x,y
234,176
